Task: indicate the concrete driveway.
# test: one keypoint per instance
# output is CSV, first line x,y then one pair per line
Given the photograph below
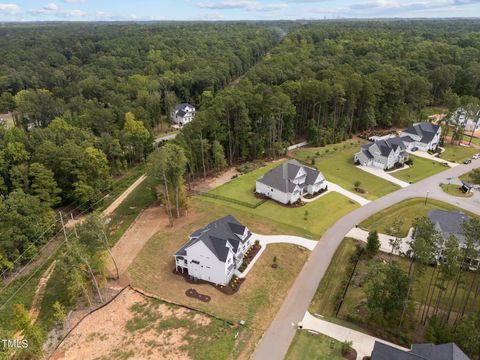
x,y
384,175
334,187
362,235
266,240
276,340
361,342
428,156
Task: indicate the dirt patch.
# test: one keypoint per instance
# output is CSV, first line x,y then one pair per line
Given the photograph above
x,y
213,182
195,294
127,248
105,333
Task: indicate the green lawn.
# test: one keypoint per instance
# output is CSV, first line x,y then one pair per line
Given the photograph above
x,y
406,210
306,346
124,215
421,169
458,153
455,190
324,301
243,187
336,163
466,177
322,213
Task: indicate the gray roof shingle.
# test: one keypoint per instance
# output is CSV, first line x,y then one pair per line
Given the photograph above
x,y
449,223
448,351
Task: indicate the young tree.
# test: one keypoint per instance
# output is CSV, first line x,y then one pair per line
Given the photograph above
x,y
395,230
373,243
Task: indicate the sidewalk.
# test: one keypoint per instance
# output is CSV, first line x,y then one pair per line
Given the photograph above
x,y
382,174
361,342
334,187
275,239
362,235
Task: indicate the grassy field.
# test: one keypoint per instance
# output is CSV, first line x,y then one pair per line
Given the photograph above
x,y
324,301
421,169
458,153
140,199
455,190
306,346
243,187
466,177
260,295
336,163
406,210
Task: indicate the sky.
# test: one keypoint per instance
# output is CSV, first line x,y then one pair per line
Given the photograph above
x,y
146,10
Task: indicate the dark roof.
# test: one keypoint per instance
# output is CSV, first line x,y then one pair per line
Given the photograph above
x,y
182,106
383,351
281,177
216,235
425,130
181,113
449,223
385,146
448,351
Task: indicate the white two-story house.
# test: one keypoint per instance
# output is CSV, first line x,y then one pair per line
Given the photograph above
x,y
382,154
182,114
288,182
214,252
424,136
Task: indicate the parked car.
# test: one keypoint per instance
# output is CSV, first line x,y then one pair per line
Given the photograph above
x,y
414,148
476,156
468,161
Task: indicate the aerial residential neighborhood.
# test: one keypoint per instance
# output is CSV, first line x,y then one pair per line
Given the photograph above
x,y
248,180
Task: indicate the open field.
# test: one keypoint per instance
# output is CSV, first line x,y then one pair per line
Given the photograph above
x,y
406,210
458,153
167,332
260,295
421,169
336,163
306,346
243,187
455,190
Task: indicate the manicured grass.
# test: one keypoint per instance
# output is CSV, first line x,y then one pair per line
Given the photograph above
x,y
324,301
406,210
455,190
458,153
124,215
243,187
466,177
421,169
336,163
259,297
306,346
322,213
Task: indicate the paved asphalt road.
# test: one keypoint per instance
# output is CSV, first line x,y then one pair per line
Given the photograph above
x,y
277,339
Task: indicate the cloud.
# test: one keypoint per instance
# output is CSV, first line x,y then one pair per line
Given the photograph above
x,y
409,6
10,9
54,10
250,5
211,16
74,1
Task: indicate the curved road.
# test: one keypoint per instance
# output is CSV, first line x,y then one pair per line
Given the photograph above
x,y
277,338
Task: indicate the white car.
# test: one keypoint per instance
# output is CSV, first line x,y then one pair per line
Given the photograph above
x,y
476,156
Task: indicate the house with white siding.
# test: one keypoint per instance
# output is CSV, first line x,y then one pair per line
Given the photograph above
x,y
382,154
214,252
182,114
288,182
424,136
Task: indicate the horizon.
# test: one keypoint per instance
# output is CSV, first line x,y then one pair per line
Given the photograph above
x,y
233,10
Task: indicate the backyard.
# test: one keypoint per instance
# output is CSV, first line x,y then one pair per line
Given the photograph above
x,y
306,345
458,153
336,164
258,298
406,210
421,169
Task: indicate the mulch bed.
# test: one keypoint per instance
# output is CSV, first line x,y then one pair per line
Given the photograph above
x,y
352,355
247,259
227,290
196,295
314,195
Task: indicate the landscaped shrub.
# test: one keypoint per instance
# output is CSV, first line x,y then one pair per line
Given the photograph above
x,y
346,347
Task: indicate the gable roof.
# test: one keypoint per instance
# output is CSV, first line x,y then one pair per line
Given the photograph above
x,y
218,236
183,106
281,177
385,146
425,130
448,351
449,223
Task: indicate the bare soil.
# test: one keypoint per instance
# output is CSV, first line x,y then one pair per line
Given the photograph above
x,y
213,182
104,333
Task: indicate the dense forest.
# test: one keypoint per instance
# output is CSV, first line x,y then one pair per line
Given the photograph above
x,y
328,80
86,98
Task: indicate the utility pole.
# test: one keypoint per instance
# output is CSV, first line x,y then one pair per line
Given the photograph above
x,y
82,258
105,240
426,198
